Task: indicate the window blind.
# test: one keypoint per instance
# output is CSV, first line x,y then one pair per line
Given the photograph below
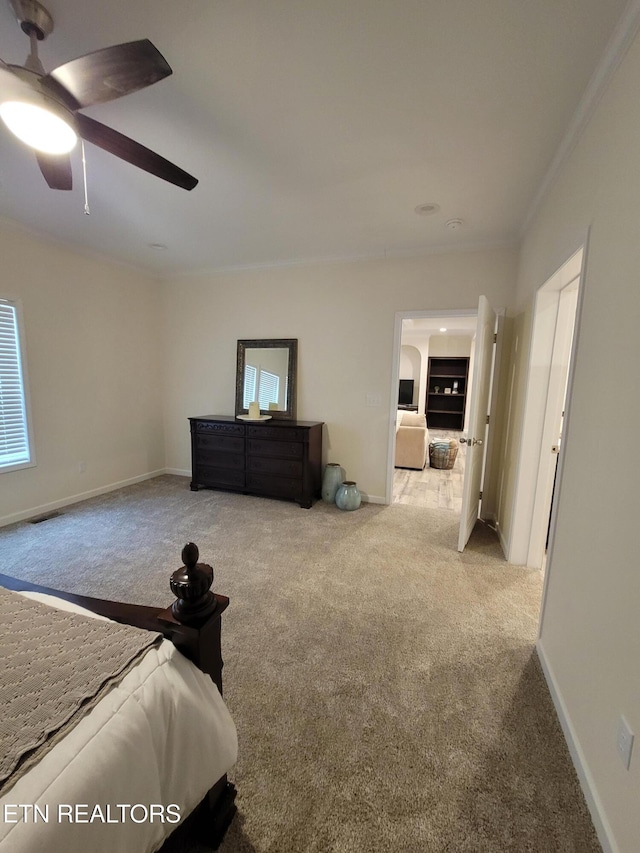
x,y
267,390
269,387
14,434
250,375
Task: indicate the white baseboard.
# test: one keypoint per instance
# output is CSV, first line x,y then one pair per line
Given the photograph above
x,y
373,499
370,499
74,499
594,804
179,472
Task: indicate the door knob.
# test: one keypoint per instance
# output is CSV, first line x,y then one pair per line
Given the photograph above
x,y
476,441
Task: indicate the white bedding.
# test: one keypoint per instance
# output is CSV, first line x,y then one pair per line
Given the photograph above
x,y
160,738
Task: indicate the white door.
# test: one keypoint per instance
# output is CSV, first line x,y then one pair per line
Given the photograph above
x,y
552,427
478,408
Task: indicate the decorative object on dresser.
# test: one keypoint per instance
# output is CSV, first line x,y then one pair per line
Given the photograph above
x,y
266,378
276,459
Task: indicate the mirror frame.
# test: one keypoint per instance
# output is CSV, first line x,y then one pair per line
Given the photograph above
x,y
290,344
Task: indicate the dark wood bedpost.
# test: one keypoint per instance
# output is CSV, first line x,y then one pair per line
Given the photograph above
x,y
194,617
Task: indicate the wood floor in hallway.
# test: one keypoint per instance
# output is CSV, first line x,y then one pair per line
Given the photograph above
x,y
432,487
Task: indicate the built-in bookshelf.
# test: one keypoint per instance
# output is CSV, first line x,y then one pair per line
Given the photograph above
x,y
447,381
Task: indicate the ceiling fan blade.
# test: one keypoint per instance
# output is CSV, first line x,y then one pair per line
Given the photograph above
x,y
56,169
107,74
126,149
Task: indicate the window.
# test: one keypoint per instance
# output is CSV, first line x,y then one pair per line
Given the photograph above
x,y
250,375
15,449
269,387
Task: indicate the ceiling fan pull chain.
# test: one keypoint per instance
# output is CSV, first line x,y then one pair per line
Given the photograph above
x,y
84,178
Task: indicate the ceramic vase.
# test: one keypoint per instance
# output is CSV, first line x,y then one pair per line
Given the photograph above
x,y
348,497
333,476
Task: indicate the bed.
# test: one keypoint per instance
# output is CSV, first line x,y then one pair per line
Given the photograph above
x,y
151,756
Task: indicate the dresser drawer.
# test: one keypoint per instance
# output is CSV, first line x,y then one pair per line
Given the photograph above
x,y
208,475
220,459
214,441
278,487
219,428
273,465
287,449
276,433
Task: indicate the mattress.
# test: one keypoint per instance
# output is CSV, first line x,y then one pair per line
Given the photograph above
x,y
132,768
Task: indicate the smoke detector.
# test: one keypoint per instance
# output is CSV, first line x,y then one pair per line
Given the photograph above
x,y
454,224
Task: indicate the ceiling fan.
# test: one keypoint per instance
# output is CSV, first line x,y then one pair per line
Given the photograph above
x,y
43,109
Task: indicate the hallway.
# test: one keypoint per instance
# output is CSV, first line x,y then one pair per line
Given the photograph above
x,y
432,488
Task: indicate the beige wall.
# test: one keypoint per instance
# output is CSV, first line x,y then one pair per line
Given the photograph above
x,y
450,345
93,358
590,634
343,316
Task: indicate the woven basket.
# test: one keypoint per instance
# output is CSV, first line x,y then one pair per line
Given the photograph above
x,y
442,453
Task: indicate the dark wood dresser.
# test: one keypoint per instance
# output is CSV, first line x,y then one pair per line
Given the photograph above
x,y
275,458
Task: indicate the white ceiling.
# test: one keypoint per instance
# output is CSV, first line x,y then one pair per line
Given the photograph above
x,y
421,327
315,126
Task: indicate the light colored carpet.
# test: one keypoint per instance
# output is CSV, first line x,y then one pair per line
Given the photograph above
x,y
385,688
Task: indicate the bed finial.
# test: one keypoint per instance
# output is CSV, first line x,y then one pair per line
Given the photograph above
x,y
191,585
190,554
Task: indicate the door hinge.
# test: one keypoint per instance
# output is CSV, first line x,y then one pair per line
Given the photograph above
x,y
480,495
495,337
488,418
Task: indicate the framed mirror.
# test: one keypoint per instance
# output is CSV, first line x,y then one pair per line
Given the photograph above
x,y
266,373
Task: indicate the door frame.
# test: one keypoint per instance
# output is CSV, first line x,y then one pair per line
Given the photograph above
x,y
526,530
553,420
395,376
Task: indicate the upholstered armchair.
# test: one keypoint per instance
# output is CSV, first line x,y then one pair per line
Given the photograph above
x,y
412,440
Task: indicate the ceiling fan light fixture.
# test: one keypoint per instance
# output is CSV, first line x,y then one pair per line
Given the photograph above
x,y
41,108
38,126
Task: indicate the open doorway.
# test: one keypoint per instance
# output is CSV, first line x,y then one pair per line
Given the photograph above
x,y
434,365
429,487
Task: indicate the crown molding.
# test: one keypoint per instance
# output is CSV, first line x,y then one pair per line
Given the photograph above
x,y
62,244
382,255
619,43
